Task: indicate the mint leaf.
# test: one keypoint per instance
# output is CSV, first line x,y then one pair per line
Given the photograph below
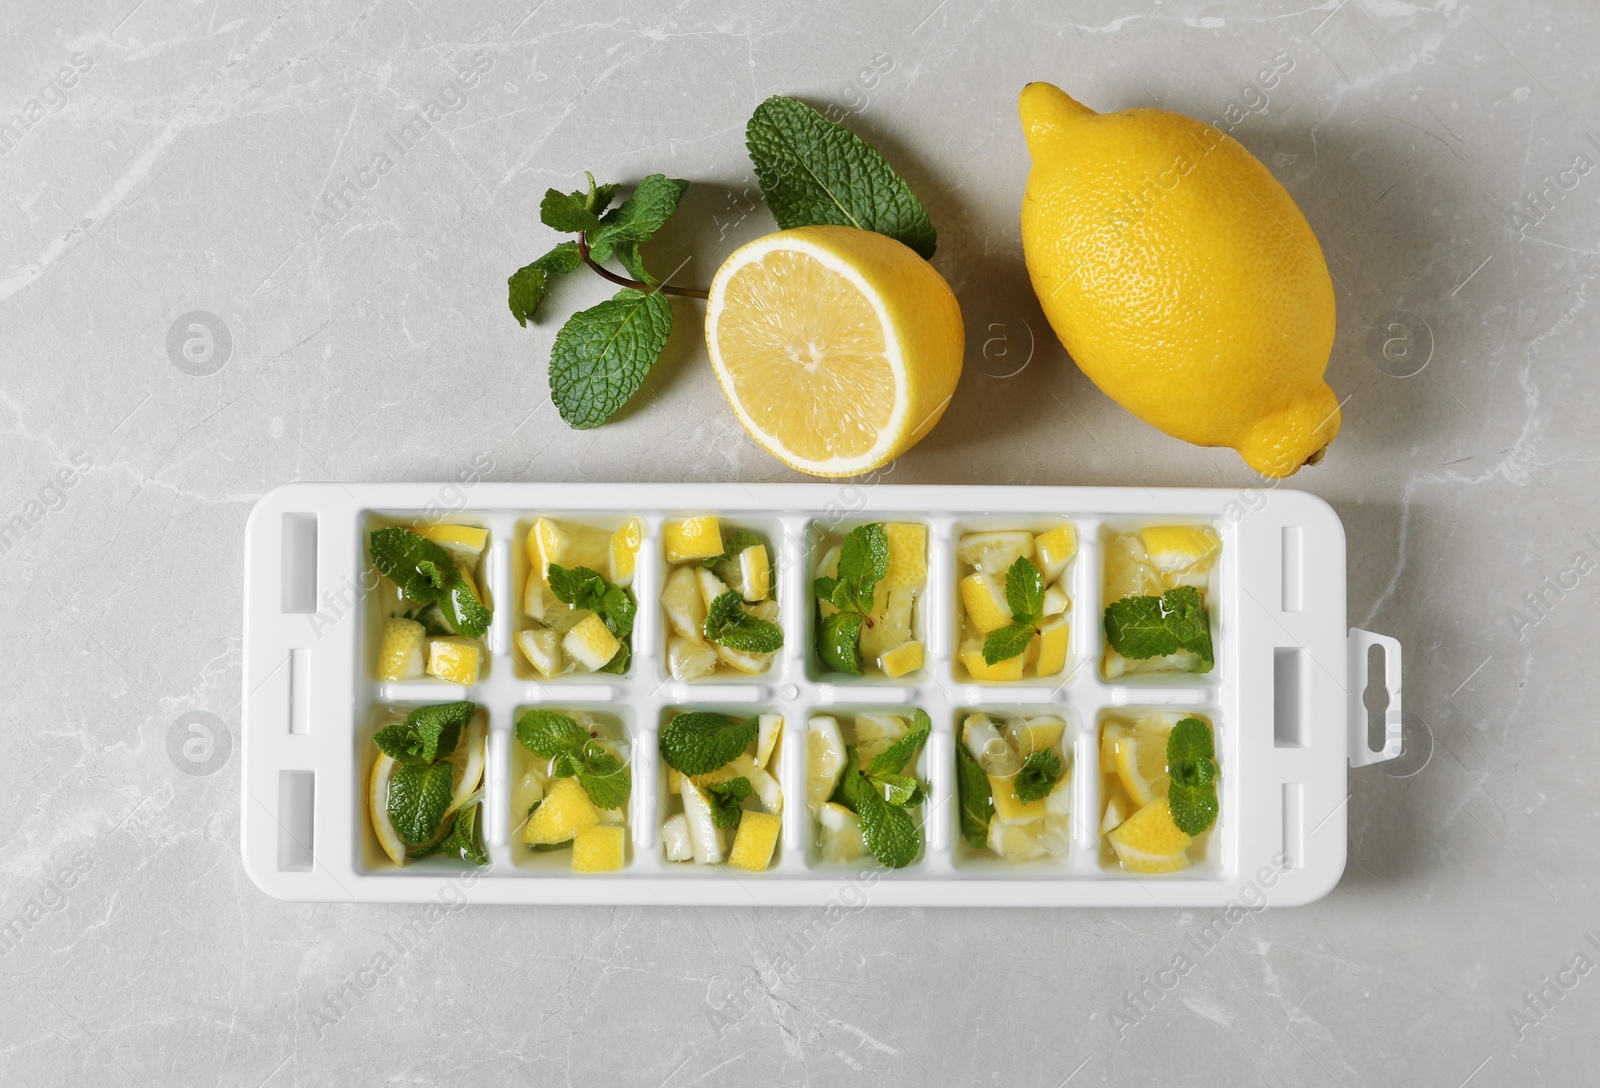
x,y
1191,765
849,787
1194,808
824,588
728,624
890,832
1188,621
548,733
814,171
698,742
527,284
977,806
578,586
417,565
1006,642
839,642
863,561
1141,627
899,790
1039,775
641,215
894,758
419,794
616,607
1189,740
462,610
725,798
1025,592
429,733
602,776
462,838
602,354
569,213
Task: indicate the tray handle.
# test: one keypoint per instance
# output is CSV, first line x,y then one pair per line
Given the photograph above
x,y
1361,642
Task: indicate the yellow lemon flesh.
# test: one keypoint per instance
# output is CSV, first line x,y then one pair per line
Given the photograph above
x,y
1181,277
837,348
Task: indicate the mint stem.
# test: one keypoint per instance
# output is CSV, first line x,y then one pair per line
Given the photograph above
x,y
665,288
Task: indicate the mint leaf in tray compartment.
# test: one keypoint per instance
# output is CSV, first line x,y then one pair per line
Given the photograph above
x,y
698,742
1141,627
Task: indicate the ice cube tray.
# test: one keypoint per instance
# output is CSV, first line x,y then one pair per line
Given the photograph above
x,y
1285,697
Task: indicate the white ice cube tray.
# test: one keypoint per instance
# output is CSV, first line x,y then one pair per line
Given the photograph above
x,y
1285,697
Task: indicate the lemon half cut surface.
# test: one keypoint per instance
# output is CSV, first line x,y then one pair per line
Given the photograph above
x,y
838,349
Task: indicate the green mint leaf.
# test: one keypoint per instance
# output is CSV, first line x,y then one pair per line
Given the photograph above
x,y
977,805
600,196
568,213
863,561
640,216
419,794
892,760
438,727
462,838
602,354
839,642
1188,621
890,832
417,565
1190,740
814,171
616,607
725,798
627,253
1140,627
824,588
699,742
578,586
1006,642
462,610
1194,808
1039,775
549,733
899,790
526,285
398,742
728,624
603,776
618,665
1136,627
1025,591
849,787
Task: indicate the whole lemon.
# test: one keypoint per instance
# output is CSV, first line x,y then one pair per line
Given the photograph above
x,y
1182,278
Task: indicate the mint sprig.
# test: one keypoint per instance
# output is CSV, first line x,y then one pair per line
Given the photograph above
x,y
728,624
1143,627
863,561
880,794
1039,774
428,575
698,742
1192,768
574,752
428,733
814,171
811,171
1025,598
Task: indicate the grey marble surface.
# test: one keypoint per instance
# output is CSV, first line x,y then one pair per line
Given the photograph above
x,y
169,158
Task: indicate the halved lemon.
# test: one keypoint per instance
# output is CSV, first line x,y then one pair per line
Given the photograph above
x,y
837,348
